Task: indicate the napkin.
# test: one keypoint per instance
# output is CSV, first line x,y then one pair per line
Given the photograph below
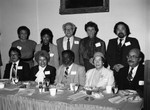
x,y
77,95
26,92
117,99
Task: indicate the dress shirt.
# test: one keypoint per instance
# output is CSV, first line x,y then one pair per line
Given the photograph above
x,y
122,42
69,68
133,71
12,68
65,40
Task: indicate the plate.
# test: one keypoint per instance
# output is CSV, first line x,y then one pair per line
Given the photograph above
x,y
134,99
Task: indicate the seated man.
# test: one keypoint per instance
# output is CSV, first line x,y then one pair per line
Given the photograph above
x,y
132,76
69,72
16,68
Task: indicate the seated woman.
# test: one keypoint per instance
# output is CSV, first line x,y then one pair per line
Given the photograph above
x,y
47,45
42,70
99,77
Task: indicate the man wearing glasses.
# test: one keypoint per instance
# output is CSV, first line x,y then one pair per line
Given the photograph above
x,y
132,76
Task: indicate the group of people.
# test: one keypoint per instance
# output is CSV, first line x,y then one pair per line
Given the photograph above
x,y
85,62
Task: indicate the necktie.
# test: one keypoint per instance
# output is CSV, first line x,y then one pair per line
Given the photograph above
x,y
66,71
120,43
14,70
68,44
129,77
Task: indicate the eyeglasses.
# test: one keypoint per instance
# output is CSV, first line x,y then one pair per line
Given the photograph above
x,y
132,57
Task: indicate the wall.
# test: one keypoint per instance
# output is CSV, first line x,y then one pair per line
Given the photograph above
x,y
38,14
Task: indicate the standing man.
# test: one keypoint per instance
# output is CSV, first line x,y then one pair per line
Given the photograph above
x,y
89,45
68,42
119,47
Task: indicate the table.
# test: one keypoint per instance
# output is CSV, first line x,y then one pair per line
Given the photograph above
x,y
43,101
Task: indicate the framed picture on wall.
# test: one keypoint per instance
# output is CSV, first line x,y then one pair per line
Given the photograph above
x,y
83,6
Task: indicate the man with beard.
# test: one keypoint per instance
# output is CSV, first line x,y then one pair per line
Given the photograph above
x,y
70,72
119,47
132,76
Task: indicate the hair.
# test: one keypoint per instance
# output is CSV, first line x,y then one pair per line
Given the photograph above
x,y
122,23
24,28
71,24
91,24
14,49
49,33
41,53
70,53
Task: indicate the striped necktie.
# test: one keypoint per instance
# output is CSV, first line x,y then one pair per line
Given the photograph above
x,y
129,77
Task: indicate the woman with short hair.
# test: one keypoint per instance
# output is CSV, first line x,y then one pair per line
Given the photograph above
x,y
43,70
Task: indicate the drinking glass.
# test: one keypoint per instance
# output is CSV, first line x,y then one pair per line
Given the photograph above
x,y
89,93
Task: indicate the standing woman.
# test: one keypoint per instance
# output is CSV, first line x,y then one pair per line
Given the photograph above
x,y
89,45
26,46
47,45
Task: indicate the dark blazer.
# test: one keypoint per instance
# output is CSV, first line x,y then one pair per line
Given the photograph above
x,y
86,52
50,76
112,56
123,83
75,49
22,73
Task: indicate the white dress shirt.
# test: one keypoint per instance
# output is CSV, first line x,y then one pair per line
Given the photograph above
x,y
17,63
65,40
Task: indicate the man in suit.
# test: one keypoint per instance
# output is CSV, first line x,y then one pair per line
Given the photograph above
x,y
132,76
70,72
119,47
69,41
16,67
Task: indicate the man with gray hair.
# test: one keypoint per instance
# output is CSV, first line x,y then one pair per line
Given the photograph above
x,y
69,41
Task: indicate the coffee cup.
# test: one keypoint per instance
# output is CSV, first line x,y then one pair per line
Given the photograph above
x,y
109,89
52,91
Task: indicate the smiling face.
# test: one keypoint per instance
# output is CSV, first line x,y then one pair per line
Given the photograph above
x,y
67,59
23,34
133,58
42,61
98,63
14,57
45,39
68,30
91,31
121,31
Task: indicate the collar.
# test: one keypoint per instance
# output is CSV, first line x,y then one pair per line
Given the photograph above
x,y
17,62
123,40
41,68
70,38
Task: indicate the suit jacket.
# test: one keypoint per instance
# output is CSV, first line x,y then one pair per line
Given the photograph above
x,y
75,49
53,54
123,83
106,77
22,73
50,76
76,75
112,56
